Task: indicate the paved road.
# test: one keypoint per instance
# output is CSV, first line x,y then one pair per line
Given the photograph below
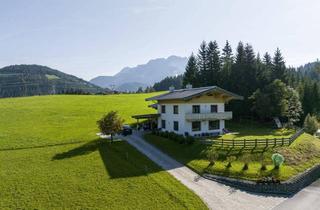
x,y
215,195
306,199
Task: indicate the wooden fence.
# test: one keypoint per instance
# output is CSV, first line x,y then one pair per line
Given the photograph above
x,y
254,143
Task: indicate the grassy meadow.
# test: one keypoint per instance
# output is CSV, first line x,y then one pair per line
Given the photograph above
x,y
50,158
43,120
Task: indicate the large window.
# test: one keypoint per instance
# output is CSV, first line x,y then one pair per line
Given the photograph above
x,y
196,126
196,109
214,125
214,108
163,124
175,109
163,108
175,125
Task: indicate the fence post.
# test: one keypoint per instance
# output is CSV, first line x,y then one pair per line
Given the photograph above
x,y
275,142
282,141
267,142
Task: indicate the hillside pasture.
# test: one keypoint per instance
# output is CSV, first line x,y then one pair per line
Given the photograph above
x,y
51,158
43,120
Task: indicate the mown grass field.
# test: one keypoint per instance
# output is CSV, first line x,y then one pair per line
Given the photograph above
x,y
299,156
50,158
42,120
254,130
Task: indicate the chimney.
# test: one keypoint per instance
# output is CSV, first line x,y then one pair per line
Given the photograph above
x,y
171,88
189,86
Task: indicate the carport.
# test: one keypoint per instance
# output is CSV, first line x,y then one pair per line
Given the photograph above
x,y
147,120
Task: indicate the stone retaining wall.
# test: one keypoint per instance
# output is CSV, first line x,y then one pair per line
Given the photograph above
x,y
286,188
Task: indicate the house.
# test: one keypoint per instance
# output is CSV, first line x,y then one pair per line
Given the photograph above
x,y
193,111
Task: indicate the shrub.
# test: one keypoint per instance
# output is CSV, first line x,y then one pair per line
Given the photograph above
x,y
181,139
212,156
245,158
189,139
230,159
263,163
277,160
310,124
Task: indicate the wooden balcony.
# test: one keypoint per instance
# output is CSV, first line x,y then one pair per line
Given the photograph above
x,y
208,116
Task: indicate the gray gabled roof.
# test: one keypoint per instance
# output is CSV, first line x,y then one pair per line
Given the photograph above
x,y
186,94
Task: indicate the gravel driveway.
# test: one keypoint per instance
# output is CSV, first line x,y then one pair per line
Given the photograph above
x,y
215,195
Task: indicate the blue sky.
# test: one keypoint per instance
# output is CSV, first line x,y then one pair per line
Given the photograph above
x,y
90,38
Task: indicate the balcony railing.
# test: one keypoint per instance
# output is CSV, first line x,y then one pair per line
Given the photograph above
x,y
209,116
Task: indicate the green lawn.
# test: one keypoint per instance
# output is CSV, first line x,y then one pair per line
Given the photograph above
x,y
302,154
51,158
42,120
254,130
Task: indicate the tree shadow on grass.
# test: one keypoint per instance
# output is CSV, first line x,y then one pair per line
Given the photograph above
x,y
119,158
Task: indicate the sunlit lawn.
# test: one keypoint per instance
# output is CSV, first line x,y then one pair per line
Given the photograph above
x,y
301,155
50,158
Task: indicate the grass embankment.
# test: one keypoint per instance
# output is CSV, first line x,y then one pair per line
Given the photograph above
x,y
301,155
89,175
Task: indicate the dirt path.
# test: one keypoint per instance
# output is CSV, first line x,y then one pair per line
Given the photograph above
x,y
215,195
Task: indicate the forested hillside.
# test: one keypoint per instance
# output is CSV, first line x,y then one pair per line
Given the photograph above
x,y
269,87
175,81
27,80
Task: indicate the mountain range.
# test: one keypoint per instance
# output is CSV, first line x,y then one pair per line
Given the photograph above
x,y
131,78
28,80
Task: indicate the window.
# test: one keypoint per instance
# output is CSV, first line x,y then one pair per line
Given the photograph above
x,y
214,108
163,124
196,126
175,109
214,125
163,109
175,125
196,109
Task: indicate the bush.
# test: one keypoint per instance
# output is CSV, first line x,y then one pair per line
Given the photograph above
x,y
212,156
175,137
277,160
245,158
189,139
230,159
310,124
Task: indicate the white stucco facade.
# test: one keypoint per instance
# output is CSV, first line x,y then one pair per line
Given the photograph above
x,y
185,117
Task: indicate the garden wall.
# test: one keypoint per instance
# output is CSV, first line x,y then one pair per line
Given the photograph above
x,y
286,188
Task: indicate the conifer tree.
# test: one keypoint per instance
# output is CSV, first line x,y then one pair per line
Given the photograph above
x,y
227,62
202,63
192,72
279,67
241,55
212,76
249,55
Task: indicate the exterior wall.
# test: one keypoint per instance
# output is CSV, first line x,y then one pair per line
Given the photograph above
x,y
184,108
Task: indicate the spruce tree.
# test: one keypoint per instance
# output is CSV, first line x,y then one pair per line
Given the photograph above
x,y
212,76
227,62
202,63
267,60
279,67
249,55
192,73
241,55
